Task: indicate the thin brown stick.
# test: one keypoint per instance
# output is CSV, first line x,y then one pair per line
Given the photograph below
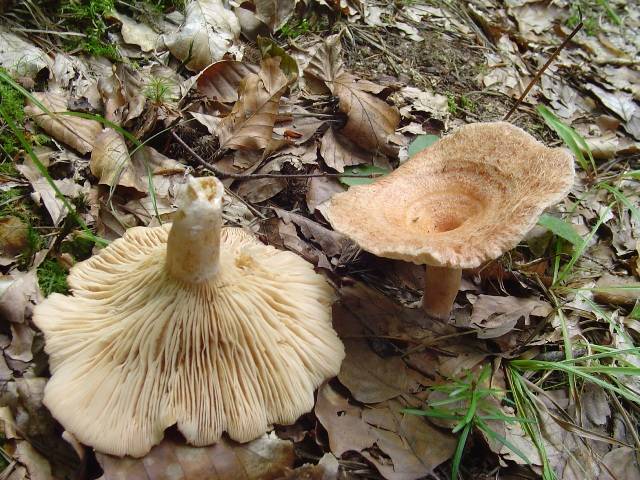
x,y
535,79
220,174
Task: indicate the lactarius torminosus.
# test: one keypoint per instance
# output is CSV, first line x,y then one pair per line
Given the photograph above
x,y
189,324
465,200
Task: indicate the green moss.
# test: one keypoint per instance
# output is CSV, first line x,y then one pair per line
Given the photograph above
x,y
89,17
295,27
12,103
52,277
79,247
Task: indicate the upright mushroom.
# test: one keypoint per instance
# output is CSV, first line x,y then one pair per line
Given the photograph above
x,y
465,200
189,324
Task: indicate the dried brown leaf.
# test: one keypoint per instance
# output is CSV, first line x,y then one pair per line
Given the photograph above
x,y
13,239
414,446
620,464
266,458
496,316
250,124
325,66
136,33
614,290
343,422
260,189
370,120
43,191
331,242
110,161
18,295
78,133
221,80
371,378
321,189
208,32
274,13
339,152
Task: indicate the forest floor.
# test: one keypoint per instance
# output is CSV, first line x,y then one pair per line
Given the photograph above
x,y
537,372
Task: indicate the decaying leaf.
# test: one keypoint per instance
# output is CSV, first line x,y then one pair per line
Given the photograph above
x,y
620,464
321,189
413,445
496,316
260,189
221,80
78,133
136,33
110,161
208,32
13,238
370,378
331,242
19,57
266,458
43,191
370,120
18,295
325,65
339,152
614,290
274,13
250,123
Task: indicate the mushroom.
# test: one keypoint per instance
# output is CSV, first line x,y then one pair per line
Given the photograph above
x,y
465,200
189,324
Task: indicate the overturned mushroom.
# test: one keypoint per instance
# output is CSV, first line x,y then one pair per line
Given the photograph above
x,y
465,200
189,324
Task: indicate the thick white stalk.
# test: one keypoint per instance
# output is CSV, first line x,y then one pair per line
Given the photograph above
x,y
193,247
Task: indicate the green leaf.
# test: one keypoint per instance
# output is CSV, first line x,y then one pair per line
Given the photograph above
x,y
421,142
560,228
635,313
573,139
366,171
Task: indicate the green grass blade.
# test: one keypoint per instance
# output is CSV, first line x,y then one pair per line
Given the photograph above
x,y
559,227
457,457
573,139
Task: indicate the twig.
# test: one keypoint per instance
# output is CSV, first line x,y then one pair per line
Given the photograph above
x,y
535,79
222,174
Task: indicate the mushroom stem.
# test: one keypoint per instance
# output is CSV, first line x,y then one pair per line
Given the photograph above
x,y
193,246
441,285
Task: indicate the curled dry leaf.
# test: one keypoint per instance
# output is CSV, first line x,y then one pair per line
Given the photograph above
x,y
110,161
221,80
266,458
135,33
208,32
78,133
250,124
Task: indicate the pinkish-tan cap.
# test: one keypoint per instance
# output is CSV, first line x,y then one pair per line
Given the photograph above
x,y
465,200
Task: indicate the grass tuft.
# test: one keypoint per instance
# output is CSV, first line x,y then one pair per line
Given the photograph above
x,y
52,277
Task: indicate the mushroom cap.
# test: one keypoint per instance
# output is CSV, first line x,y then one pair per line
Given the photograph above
x,y
462,201
134,350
